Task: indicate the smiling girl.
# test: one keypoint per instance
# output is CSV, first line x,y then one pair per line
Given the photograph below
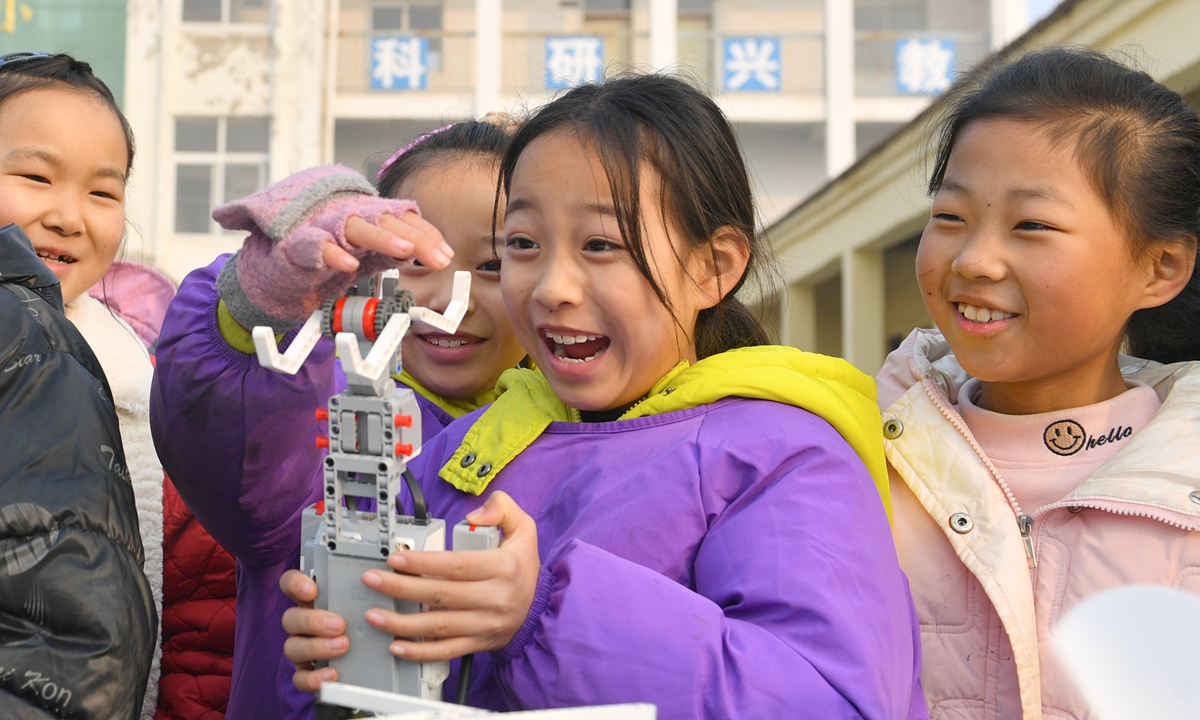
x,y
65,155
1032,464
688,515
257,467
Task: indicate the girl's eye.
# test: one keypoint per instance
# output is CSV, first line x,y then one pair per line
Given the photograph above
x,y
600,245
519,242
491,266
1031,225
38,179
947,217
106,195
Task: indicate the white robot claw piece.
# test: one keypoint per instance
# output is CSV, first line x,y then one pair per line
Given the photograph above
x,y
364,319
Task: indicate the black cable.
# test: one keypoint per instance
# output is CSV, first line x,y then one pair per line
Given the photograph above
x,y
420,511
464,678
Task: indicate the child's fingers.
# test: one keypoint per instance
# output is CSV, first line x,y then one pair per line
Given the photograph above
x,y
338,259
433,651
473,565
302,650
309,681
318,623
299,588
421,233
363,234
500,510
435,624
410,237
435,592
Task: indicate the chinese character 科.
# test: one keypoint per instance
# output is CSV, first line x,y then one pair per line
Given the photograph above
x,y
924,66
572,61
398,63
752,64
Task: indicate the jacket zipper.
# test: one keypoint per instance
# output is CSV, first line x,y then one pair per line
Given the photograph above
x,y
1093,504
1024,522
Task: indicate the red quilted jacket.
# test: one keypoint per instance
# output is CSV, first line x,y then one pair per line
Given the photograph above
x,y
199,595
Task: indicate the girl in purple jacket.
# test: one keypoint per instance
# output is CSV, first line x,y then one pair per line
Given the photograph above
x,y
238,440
691,517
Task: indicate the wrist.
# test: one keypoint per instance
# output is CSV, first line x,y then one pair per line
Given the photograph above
x,y
541,602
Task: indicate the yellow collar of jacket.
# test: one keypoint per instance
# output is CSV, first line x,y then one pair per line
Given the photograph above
x,y
828,387
454,407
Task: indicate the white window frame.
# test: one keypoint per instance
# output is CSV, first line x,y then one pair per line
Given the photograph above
x,y
218,160
226,16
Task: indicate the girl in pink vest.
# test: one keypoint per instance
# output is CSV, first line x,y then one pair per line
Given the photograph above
x,y
1032,463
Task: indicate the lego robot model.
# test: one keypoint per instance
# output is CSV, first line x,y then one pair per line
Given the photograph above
x,y
374,430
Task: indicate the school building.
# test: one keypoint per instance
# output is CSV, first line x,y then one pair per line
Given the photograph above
x,y
847,252
828,98
227,95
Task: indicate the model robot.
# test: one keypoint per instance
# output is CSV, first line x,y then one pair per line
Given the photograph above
x,y
374,430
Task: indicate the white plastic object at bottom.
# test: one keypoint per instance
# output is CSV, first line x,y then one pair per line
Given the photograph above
x,y
1132,652
390,705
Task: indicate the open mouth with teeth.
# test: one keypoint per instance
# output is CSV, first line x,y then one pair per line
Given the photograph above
x,y
575,348
50,258
982,315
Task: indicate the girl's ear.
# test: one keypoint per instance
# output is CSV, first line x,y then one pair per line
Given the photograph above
x,y
722,265
1171,263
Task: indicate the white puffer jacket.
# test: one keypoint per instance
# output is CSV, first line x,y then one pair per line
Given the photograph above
x,y
127,366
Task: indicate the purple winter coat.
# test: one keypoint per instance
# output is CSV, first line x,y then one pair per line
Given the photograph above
x,y
726,561
238,441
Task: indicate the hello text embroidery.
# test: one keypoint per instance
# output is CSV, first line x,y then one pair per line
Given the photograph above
x,y
1067,437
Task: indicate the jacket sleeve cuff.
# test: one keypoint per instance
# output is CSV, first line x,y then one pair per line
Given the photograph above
x,y
541,602
238,337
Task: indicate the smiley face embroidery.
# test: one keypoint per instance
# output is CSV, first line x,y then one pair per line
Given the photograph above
x,y
1065,437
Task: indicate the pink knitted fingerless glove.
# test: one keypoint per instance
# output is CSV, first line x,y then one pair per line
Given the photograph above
x,y
279,277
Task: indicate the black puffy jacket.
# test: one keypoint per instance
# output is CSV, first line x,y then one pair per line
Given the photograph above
x,y
77,620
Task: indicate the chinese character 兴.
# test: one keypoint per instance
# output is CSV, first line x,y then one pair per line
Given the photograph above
x,y
752,64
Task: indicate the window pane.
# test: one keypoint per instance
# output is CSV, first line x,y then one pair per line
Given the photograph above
x,y
869,18
605,5
425,17
248,135
193,189
196,134
202,10
240,181
387,17
697,6
908,18
249,11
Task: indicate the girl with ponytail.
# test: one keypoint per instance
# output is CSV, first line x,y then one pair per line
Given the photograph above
x,y
690,517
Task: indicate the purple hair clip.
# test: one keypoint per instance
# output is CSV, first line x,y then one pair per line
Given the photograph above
x,y
392,160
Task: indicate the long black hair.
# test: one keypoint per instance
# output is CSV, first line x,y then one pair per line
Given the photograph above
x,y
35,72
1136,140
682,133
